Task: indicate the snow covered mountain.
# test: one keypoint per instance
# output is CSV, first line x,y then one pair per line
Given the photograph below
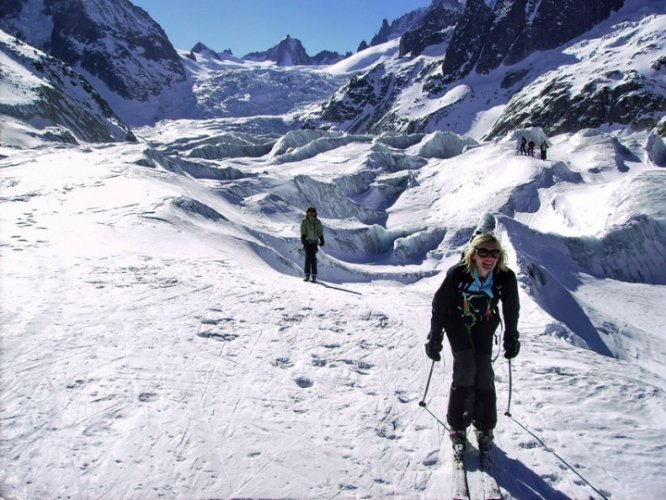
x,y
228,87
440,68
432,29
43,100
116,46
519,64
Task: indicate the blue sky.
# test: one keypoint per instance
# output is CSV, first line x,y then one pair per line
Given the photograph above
x,y
255,25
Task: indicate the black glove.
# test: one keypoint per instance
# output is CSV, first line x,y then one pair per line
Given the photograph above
x,y
433,347
303,239
321,241
511,345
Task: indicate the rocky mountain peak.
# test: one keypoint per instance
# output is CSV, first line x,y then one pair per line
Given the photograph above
x,y
290,52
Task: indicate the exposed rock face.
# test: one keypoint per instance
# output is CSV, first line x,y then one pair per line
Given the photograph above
x,y
326,57
438,20
614,76
383,35
200,48
53,100
112,43
362,101
505,34
410,21
468,40
631,101
290,52
485,38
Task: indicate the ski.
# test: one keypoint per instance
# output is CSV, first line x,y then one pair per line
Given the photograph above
x,y
460,490
491,490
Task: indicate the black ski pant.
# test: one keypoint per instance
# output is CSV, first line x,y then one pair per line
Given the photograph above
x,y
472,399
311,250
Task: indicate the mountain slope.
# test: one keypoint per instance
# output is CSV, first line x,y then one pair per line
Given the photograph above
x,y
483,70
116,46
43,99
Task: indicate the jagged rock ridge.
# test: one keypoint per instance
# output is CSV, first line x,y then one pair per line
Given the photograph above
x,y
290,52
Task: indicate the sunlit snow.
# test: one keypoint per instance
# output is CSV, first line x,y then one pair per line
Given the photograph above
x,y
158,339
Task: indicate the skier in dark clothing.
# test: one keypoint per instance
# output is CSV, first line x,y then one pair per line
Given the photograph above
x,y
466,308
544,150
523,144
312,236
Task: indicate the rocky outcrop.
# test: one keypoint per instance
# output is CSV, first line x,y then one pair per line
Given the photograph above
x,y
54,103
290,52
395,29
438,22
363,100
634,100
468,40
326,57
203,49
513,29
612,77
116,46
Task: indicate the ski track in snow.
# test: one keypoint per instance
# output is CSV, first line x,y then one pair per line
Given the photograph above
x,y
143,358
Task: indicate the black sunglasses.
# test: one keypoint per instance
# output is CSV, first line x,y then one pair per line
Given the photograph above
x,y
485,252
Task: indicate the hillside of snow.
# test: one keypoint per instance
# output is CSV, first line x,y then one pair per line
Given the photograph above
x,y
158,341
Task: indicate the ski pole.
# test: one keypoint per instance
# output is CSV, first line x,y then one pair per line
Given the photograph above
x,y
422,403
508,406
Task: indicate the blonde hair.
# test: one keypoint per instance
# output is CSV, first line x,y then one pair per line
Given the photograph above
x,y
476,242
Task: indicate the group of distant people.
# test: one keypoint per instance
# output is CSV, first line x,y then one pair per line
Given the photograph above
x,y
527,148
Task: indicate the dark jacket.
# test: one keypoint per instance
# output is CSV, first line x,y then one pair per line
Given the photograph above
x,y
449,307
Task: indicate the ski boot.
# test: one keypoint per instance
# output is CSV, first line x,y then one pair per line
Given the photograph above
x,y
484,440
458,440
307,277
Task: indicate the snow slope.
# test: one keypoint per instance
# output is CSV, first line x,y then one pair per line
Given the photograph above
x,y
157,340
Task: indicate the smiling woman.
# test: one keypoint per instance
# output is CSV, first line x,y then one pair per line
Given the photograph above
x,y
246,26
466,308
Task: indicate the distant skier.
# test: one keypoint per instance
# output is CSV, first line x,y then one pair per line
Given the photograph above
x,y
544,150
466,308
530,148
312,236
523,144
